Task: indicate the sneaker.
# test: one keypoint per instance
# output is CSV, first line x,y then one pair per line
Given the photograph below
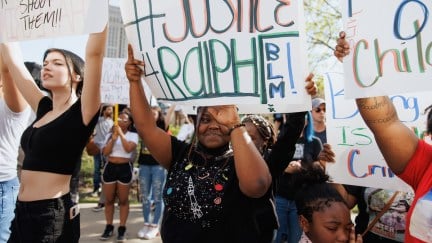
x,y
121,234
143,231
108,232
153,231
98,208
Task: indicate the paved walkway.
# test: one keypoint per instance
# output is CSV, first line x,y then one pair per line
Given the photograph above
x,y
93,223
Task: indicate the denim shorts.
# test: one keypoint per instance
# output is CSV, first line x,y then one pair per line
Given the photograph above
x,y
45,221
121,173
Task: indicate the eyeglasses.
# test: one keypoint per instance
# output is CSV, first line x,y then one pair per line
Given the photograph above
x,y
318,110
122,120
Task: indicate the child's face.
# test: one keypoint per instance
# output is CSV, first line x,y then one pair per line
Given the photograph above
x,y
333,224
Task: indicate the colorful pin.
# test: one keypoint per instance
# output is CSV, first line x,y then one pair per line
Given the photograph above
x,y
218,187
217,200
189,166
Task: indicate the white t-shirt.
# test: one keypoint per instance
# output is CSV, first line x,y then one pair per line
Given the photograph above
x,y
118,150
186,132
12,126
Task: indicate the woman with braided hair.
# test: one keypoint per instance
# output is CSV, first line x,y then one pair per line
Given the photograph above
x,y
277,153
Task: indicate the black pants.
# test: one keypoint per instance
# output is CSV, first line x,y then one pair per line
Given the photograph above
x,y
45,221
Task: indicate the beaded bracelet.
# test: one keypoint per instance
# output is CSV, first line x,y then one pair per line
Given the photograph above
x,y
235,126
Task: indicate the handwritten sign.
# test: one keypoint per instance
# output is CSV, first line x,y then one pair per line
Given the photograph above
x,y
37,19
115,85
391,47
221,52
359,160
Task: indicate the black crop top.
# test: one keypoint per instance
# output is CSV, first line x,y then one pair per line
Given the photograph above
x,y
58,145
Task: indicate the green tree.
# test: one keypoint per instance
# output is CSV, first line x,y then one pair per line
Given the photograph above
x,y
323,22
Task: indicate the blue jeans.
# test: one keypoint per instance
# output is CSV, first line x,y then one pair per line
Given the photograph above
x,y
97,171
289,227
8,196
152,180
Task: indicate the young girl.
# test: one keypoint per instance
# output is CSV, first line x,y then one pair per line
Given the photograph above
x,y
323,214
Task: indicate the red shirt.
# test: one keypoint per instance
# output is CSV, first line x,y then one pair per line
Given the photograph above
x,y
418,174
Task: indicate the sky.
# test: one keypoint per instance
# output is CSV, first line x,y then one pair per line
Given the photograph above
x,y
33,50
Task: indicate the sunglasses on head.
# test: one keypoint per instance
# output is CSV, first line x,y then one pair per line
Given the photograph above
x,y
318,110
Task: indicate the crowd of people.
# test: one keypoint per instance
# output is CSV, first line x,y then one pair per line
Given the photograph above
x,y
225,177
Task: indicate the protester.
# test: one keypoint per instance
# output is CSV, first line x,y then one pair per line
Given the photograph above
x,y
152,179
323,213
210,184
14,116
307,149
103,127
187,129
406,155
117,173
319,119
54,142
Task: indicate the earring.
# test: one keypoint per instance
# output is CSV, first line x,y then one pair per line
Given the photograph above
x,y
304,223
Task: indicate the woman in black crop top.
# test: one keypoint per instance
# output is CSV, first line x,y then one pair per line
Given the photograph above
x,y
54,142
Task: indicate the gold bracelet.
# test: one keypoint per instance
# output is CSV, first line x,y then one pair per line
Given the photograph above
x,y
235,126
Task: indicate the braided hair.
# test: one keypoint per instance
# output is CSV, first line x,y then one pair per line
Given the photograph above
x,y
315,193
265,129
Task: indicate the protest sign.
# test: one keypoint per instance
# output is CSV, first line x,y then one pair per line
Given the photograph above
x,y
115,85
391,47
222,52
38,19
358,158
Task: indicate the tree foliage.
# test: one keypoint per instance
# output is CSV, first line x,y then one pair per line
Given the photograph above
x,y
323,22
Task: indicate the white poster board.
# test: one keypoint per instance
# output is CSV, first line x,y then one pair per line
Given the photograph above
x,y
115,85
358,158
28,20
391,47
222,52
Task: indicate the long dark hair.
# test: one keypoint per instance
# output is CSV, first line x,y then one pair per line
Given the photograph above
x,y
74,63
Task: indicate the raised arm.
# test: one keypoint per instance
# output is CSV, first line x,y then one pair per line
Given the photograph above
x,y
252,171
11,95
157,140
169,115
91,96
395,140
13,61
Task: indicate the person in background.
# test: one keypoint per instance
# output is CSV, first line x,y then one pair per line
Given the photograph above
x,y
187,129
54,142
407,156
307,150
319,119
152,179
103,127
117,173
14,116
323,214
